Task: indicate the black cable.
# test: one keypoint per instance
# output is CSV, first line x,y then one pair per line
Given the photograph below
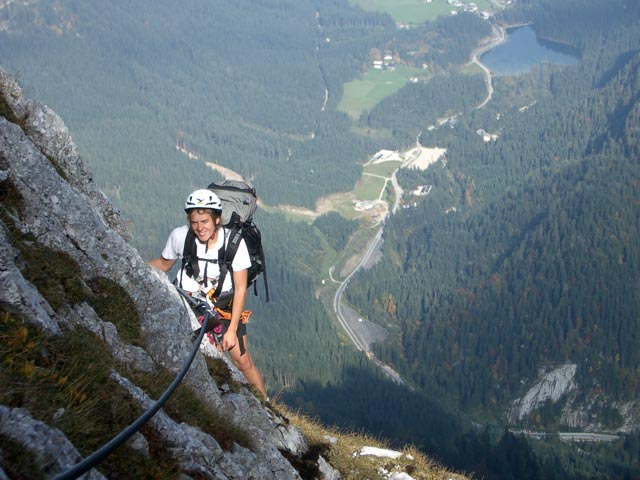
x,y
97,456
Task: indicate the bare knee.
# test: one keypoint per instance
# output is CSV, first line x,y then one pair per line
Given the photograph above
x,y
243,362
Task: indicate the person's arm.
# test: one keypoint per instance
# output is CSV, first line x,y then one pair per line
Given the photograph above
x,y
162,263
230,338
171,251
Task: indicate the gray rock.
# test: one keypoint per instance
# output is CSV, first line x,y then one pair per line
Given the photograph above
x,y
62,209
139,444
18,296
11,95
83,315
49,133
327,472
53,452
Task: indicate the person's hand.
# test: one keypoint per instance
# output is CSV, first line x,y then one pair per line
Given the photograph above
x,y
229,340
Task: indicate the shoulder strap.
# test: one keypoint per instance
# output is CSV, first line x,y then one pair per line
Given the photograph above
x,y
227,253
189,255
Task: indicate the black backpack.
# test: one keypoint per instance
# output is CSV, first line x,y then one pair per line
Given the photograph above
x,y
239,203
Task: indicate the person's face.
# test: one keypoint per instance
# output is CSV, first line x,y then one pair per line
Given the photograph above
x,y
203,225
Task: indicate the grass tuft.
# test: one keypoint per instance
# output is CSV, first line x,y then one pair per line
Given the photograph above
x,y
58,278
66,383
185,406
56,166
11,198
338,448
7,112
54,273
17,461
113,304
219,371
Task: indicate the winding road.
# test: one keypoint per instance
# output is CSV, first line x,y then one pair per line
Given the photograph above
x,y
363,335
498,36
361,331
349,320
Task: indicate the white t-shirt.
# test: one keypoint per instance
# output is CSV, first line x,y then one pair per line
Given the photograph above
x,y
175,246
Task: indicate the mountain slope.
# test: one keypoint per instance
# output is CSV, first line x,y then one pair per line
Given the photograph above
x,y
249,85
90,337
524,257
86,325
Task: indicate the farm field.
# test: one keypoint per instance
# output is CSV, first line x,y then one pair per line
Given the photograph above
x,y
364,93
383,169
407,11
414,11
369,188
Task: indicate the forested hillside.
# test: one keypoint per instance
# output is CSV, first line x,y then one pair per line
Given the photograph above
x,y
525,256
253,95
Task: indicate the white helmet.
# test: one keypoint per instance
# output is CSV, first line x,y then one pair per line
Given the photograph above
x,y
202,199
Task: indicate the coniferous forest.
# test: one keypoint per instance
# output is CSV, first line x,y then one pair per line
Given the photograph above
x,y
523,257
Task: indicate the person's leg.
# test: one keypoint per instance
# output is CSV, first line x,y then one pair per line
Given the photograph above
x,y
245,364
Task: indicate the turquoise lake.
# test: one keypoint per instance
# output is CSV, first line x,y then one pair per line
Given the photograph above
x,y
523,50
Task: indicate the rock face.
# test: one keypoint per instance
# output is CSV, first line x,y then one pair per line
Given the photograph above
x,y
62,208
551,387
579,410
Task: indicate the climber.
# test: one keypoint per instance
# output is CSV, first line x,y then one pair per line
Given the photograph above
x,y
200,276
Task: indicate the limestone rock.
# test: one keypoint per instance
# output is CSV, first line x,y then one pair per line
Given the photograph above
x,y
52,451
58,205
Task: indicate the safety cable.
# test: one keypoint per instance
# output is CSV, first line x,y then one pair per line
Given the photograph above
x,y
97,456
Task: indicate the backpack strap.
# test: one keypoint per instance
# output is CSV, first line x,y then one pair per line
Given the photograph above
x,y
190,256
227,253
266,283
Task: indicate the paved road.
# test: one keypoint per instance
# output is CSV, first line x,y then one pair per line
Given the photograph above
x,y
569,436
399,192
498,35
347,318
362,332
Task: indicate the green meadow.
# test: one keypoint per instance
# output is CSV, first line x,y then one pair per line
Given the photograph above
x,y
414,11
383,169
364,93
369,188
407,11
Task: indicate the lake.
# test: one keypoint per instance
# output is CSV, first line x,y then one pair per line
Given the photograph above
x,y
523,50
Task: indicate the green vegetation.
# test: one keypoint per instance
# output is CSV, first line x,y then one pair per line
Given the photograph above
x,y
342,453
54,273
415,11
362,94
353,249
220,373
414,108
114,305
17,461
522,256
71,374
369,187
184,405
11,202
199,94
533,267
66,382
336,229
330,253
383,169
